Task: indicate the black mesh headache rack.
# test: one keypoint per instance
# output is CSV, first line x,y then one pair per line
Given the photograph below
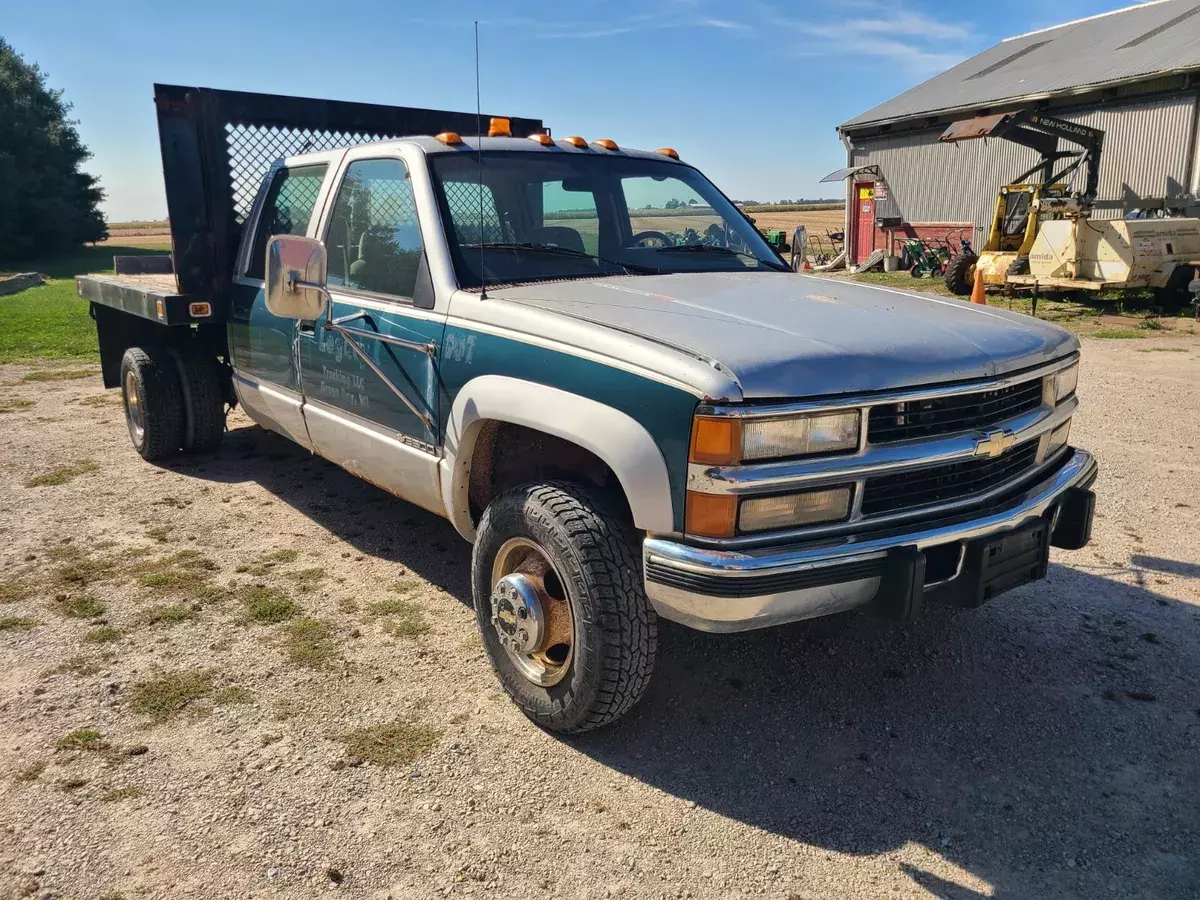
x,y
216,148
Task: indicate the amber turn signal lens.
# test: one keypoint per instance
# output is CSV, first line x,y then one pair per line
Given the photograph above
x,y
716,441
500,127
710,515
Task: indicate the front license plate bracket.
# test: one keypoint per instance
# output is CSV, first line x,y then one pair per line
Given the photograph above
x,y
997,564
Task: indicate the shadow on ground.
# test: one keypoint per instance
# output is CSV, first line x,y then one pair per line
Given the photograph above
x,y
1047,743
371,520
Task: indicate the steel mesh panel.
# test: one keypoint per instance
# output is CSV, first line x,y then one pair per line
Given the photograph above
x,y
391,202
296,201
374,239
463,198
252,149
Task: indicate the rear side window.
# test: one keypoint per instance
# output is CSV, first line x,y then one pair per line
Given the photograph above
x,y
374,238
290,204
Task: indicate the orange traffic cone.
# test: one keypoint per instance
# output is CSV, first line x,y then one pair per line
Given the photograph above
x,y
977,295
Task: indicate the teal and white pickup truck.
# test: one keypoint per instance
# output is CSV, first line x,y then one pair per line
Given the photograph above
x,y
588,360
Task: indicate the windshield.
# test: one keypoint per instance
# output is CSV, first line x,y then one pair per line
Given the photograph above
x,y
542,216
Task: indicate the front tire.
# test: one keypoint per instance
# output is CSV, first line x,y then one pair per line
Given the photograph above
x,y
560,606
960,274
153,401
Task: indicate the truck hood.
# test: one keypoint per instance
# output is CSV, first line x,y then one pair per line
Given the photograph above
x,y
784,335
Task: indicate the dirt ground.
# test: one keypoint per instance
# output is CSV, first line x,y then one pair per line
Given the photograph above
x,y
251,675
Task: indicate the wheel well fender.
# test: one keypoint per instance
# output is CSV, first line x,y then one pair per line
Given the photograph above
x,y
611,435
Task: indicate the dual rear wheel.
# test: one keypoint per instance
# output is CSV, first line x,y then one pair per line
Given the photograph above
x,y
173,401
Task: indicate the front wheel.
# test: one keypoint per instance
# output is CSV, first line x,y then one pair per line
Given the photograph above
x,y
960,273
560,606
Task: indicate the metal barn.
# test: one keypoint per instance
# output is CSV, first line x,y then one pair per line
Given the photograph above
x,y
1133,73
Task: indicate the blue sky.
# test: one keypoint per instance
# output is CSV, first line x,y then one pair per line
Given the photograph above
x,y
748,90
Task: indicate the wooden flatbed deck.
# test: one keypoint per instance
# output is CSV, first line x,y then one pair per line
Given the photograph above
x,y
154,297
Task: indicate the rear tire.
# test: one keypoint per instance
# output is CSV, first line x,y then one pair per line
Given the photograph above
x,y
593,563
153,401
204,402
960,274
1174,296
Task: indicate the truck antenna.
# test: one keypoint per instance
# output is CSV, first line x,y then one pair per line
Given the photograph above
x,y
479,153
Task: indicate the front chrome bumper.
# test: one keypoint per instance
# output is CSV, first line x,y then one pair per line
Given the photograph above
x,y
739,590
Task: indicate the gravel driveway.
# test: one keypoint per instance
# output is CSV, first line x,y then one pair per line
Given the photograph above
x,y
252,675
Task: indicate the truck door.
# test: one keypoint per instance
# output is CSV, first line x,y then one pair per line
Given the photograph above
x,y
371,386
262,345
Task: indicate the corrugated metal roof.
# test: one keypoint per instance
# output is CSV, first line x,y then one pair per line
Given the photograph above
x,y
1140,41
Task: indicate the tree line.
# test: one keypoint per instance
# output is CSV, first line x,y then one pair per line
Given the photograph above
x,y
48,205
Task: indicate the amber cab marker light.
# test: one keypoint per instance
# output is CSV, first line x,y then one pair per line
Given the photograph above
x,y
667,151
710,515
607,144
544,139
716,441
575,141
199,310
450,137
499,127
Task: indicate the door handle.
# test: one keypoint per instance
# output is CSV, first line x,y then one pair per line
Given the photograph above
x,y
308,328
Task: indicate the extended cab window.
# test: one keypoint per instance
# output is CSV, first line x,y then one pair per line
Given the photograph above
x,y
374,239
288,210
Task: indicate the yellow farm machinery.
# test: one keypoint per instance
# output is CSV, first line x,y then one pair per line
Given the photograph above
x,y
1043,237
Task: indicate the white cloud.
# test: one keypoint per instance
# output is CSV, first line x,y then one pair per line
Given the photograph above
x,y
726,24
869,28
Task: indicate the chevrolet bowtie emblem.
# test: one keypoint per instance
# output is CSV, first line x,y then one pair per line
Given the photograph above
x,y
995,444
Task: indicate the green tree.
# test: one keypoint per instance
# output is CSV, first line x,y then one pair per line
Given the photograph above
x,y
47,205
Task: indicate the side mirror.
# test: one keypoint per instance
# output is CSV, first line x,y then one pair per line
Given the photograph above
x,y
296,277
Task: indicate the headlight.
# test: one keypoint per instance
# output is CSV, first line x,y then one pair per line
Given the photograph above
x,y
803,436
794,510
1065,383
729,440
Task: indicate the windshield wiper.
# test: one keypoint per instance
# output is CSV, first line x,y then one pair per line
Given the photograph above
x,y
556,250
723,251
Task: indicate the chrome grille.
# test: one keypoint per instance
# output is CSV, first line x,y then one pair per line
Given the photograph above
x,y
936,416
911,490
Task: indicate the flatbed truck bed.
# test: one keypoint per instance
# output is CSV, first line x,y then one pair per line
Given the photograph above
x,y
154,297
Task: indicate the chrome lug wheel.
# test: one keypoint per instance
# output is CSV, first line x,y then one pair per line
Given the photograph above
x,y
134,413
530,612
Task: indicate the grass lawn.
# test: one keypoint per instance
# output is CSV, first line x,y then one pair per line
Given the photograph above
x,y
51,322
